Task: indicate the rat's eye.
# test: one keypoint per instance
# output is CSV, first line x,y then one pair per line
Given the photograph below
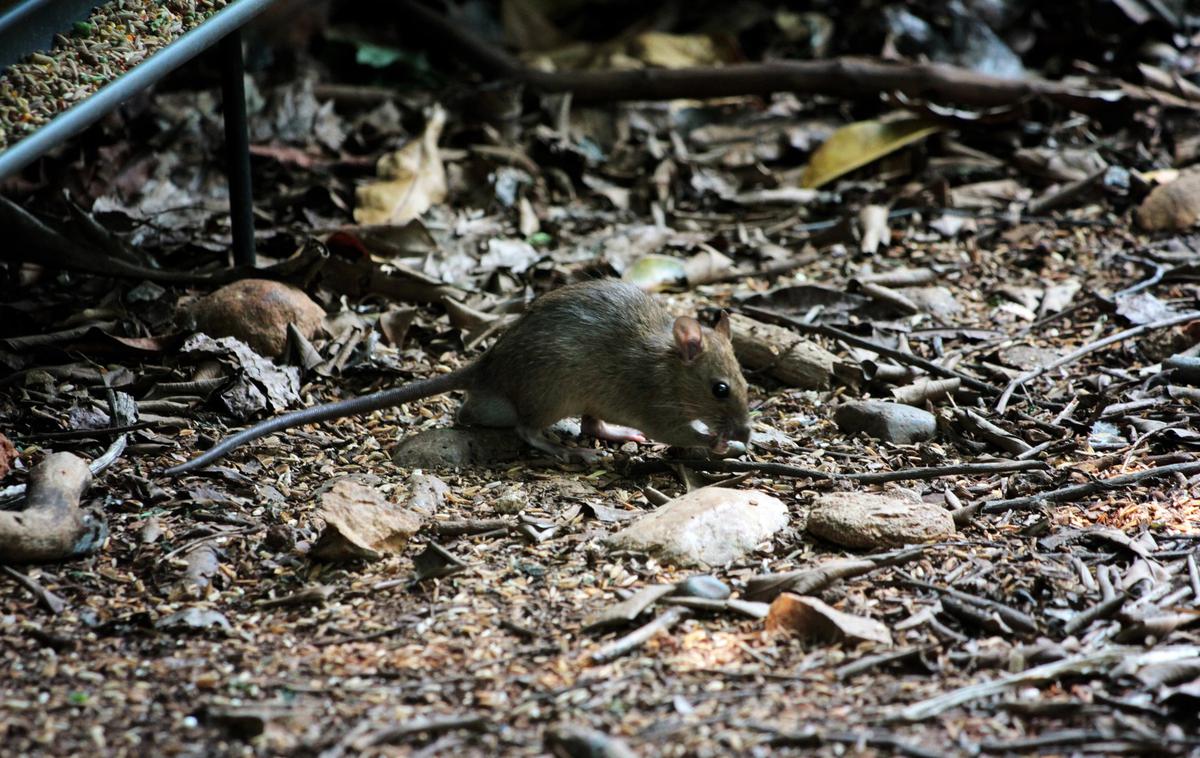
x,y
721,390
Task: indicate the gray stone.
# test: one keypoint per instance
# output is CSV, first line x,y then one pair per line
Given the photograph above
x,y
890,422
872,521
710,526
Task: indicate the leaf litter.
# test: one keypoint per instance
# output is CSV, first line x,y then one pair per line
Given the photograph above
x,y
493,615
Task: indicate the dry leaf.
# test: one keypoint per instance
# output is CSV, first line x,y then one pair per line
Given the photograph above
x,y
993,194
414,179
855,145
811,618
361,523
675,50
656,272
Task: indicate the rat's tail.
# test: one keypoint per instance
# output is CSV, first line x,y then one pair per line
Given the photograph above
x,y
455,380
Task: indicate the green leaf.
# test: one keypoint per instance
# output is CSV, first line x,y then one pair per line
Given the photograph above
x,y
376,56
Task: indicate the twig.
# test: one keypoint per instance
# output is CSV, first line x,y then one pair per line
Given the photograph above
x,y
868,662
45,597
639,636
410,621
473,526
1101,743
839,77
193,544
86,433
809,581
1101,610
430,725
850,339
1194,577
1065,194
1091,347
1011,616
874,477
811,737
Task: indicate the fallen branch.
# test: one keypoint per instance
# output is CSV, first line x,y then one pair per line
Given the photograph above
x,y
28,240
1075,491
52,527
1091,347
1089,663
838,77
1011,616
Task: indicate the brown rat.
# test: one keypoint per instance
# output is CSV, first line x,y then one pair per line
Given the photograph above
x,y
603,350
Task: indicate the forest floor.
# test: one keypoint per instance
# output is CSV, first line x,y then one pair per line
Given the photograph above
x,y
1056,611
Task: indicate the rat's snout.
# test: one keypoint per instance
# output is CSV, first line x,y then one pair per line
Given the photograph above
x,y
741,433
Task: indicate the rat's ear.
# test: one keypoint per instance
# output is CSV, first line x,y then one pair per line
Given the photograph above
x,y
689,340
722,327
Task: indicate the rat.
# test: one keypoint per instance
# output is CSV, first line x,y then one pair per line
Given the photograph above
x,y
602,350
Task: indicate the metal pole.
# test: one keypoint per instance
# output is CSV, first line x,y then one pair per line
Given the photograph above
x,y
237,148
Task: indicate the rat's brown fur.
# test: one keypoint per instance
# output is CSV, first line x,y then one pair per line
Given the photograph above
x,y
603,350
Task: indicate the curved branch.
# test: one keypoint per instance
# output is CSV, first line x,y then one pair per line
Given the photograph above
x,y
838,77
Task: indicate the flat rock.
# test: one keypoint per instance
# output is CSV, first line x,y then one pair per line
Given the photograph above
x,y
451,447
710,526
257,312
890,422
872,520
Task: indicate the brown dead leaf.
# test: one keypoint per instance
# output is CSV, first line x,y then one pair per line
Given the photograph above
x,y
811,618
8,455
395,323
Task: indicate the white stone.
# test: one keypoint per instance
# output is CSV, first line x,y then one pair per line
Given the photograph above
x,y
710,526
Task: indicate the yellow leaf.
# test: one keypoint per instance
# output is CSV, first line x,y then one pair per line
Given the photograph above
x,y
675,50
855,145
413,179
656,272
